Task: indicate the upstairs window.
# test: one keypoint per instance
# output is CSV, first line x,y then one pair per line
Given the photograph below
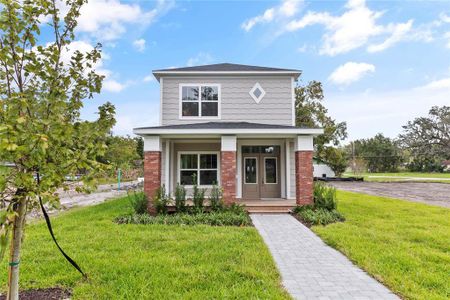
x,y
199,100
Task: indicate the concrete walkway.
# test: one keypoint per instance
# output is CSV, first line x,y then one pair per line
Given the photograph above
x,y
309,268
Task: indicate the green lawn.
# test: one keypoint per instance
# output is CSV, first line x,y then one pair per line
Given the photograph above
x,y
147,261
403,176
403,244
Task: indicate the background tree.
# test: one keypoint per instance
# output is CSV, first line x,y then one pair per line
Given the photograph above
x,y
41,133
337,159
311,112
380,153
121,151
140,147
427,139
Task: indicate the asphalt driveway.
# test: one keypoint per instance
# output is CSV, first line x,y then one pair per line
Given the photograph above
x,y
429,193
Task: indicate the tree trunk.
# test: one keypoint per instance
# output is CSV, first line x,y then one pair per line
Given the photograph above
x,y
14,256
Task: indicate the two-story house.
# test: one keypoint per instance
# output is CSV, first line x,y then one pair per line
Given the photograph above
x,y
233,125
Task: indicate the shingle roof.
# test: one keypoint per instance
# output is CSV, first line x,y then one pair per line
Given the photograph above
x,y
222,125
226,67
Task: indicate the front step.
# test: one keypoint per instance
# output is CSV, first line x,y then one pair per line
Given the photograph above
x,y
268,209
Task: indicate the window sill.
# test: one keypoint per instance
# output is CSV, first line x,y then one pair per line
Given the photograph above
x,y
199,118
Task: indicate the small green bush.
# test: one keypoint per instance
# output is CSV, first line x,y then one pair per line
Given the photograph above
x,y
198,197
225,218
324,211
235,208
215,198
138,202
161,200
318,216
180,198
324,196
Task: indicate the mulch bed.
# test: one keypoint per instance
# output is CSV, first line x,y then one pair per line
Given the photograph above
x,y
43,294
307,224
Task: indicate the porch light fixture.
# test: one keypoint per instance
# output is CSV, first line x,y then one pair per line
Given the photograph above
x,y
257,92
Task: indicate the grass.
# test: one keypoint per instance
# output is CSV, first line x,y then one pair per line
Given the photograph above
x,y
403,244
147,261
411,176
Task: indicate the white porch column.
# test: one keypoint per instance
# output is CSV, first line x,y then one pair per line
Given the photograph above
x,y
152,143
167,159
288,167
228,143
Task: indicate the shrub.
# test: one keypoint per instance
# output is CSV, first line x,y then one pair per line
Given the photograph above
x,y
235,208
180,198
318,216
215,199
161,200
323,211
198,197
225,218
324,196
138,202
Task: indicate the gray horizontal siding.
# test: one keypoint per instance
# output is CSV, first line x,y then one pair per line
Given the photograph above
x,y
236,102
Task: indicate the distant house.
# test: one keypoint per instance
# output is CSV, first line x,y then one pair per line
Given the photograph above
x,y
321,169
446,165
231,125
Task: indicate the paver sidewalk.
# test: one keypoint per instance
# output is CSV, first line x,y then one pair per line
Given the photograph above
x,y
309,268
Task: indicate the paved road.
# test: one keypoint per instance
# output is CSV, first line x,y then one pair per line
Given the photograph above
x,y
425,192
309,268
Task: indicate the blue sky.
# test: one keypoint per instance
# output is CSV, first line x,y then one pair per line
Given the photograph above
x,y
382,63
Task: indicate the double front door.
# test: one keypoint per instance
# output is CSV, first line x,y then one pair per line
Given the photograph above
x,y
261,172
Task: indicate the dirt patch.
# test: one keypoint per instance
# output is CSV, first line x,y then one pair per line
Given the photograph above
x,y
429,193
43,294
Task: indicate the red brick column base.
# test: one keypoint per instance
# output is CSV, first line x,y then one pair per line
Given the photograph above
x,y
152,176
228,176
304,177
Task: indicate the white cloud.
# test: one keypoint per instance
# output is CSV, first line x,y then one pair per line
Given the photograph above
x,y
440,84
106,20
113,86
149,78
399,32
287,8
447,36
139,45
350,72
354,29
371,112
444,17
201,58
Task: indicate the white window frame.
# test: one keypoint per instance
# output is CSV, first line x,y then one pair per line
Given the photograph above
x,y
199,101
257,169
198,153
276,169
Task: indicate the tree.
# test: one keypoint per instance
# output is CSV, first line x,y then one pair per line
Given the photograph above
x,y
381,153
121,151
41,134
310,112
337,160
428,139
140,147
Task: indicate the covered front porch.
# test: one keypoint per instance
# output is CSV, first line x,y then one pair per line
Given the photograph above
x,y
267,169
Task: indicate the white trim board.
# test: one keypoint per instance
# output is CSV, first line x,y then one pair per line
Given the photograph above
x,y
232,131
